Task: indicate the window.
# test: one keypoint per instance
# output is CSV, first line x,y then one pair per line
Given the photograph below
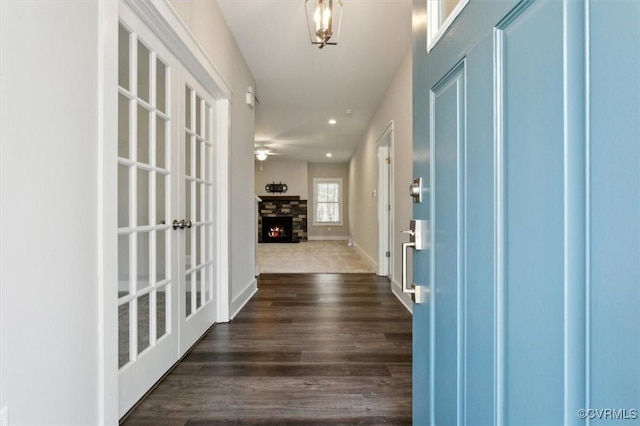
x,y
441,14
327,195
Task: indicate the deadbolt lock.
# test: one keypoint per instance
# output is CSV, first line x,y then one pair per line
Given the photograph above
x,y
415,190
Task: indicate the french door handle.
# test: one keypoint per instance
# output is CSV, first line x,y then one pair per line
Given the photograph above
x,y
182,224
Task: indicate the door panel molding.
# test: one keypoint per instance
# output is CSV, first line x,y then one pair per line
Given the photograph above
x,y
448,325
576,225
613,205
531,213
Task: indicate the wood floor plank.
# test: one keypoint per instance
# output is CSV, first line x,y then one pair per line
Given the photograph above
x,y
308,349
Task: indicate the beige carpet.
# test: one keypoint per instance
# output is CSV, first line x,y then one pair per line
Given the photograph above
x,y
312,257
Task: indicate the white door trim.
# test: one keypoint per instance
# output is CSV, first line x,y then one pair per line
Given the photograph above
x,y
385,200
108,215
223,243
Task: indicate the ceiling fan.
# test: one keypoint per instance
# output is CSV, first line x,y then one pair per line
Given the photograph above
x,y
262,151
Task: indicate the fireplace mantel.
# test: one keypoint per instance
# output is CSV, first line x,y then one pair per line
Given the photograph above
x,y
280,197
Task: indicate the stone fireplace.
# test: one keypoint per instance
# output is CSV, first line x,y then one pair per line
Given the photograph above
x,y
280,207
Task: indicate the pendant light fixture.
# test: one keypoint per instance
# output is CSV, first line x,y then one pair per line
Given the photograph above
x,y
324,18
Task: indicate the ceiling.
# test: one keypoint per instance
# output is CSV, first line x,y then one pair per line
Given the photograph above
x,y
300,87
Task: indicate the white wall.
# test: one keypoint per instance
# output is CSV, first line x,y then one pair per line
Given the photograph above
x,y
329,170
51,343
207,25
49,347
294,173
363,172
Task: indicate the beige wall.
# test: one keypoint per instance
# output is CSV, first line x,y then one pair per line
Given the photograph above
x,y
207,25
363,171
329,170
294,173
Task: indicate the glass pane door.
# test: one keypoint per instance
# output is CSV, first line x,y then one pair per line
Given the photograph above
x,y
144,198
198,185
148,173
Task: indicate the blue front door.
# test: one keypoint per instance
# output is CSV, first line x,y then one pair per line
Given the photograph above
x,y
527,135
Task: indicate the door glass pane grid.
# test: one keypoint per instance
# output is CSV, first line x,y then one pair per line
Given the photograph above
x,y
143,71
199,158
189,105
208,288
198,186
163,307
143,196
123,335
124,274
144,329
199,105
124,53
124,118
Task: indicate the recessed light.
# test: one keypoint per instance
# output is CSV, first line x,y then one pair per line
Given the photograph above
x,y
332,121
329,154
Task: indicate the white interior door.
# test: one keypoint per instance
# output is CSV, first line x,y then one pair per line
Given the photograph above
x,y
385,235
148,125
197,208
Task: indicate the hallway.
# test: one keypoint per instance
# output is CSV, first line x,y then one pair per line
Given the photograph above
x,y
307,349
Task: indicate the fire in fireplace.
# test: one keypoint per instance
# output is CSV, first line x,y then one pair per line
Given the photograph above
x,y
277,229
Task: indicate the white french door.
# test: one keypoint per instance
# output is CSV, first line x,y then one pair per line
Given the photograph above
x,y
197,207
166,257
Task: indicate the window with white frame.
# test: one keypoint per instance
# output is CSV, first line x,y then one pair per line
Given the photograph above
x,y
327,197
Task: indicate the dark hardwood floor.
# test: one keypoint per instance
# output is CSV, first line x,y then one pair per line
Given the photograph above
x,y
308,349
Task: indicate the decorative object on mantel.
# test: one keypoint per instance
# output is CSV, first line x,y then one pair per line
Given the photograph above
x,y
276,187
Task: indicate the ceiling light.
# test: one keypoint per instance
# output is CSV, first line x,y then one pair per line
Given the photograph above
x,y
261,154
329,154
323,16
332,121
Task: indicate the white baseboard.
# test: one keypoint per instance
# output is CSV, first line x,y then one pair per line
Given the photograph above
x,y
405,299
245,295
366,257
327,238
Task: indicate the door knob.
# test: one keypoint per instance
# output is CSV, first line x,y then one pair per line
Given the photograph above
x,y
182,224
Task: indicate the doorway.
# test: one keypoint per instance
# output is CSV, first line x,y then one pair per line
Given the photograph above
x,y
385,201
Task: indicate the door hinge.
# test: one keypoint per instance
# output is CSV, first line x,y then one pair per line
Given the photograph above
x,y
388,207
387,160
387,254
